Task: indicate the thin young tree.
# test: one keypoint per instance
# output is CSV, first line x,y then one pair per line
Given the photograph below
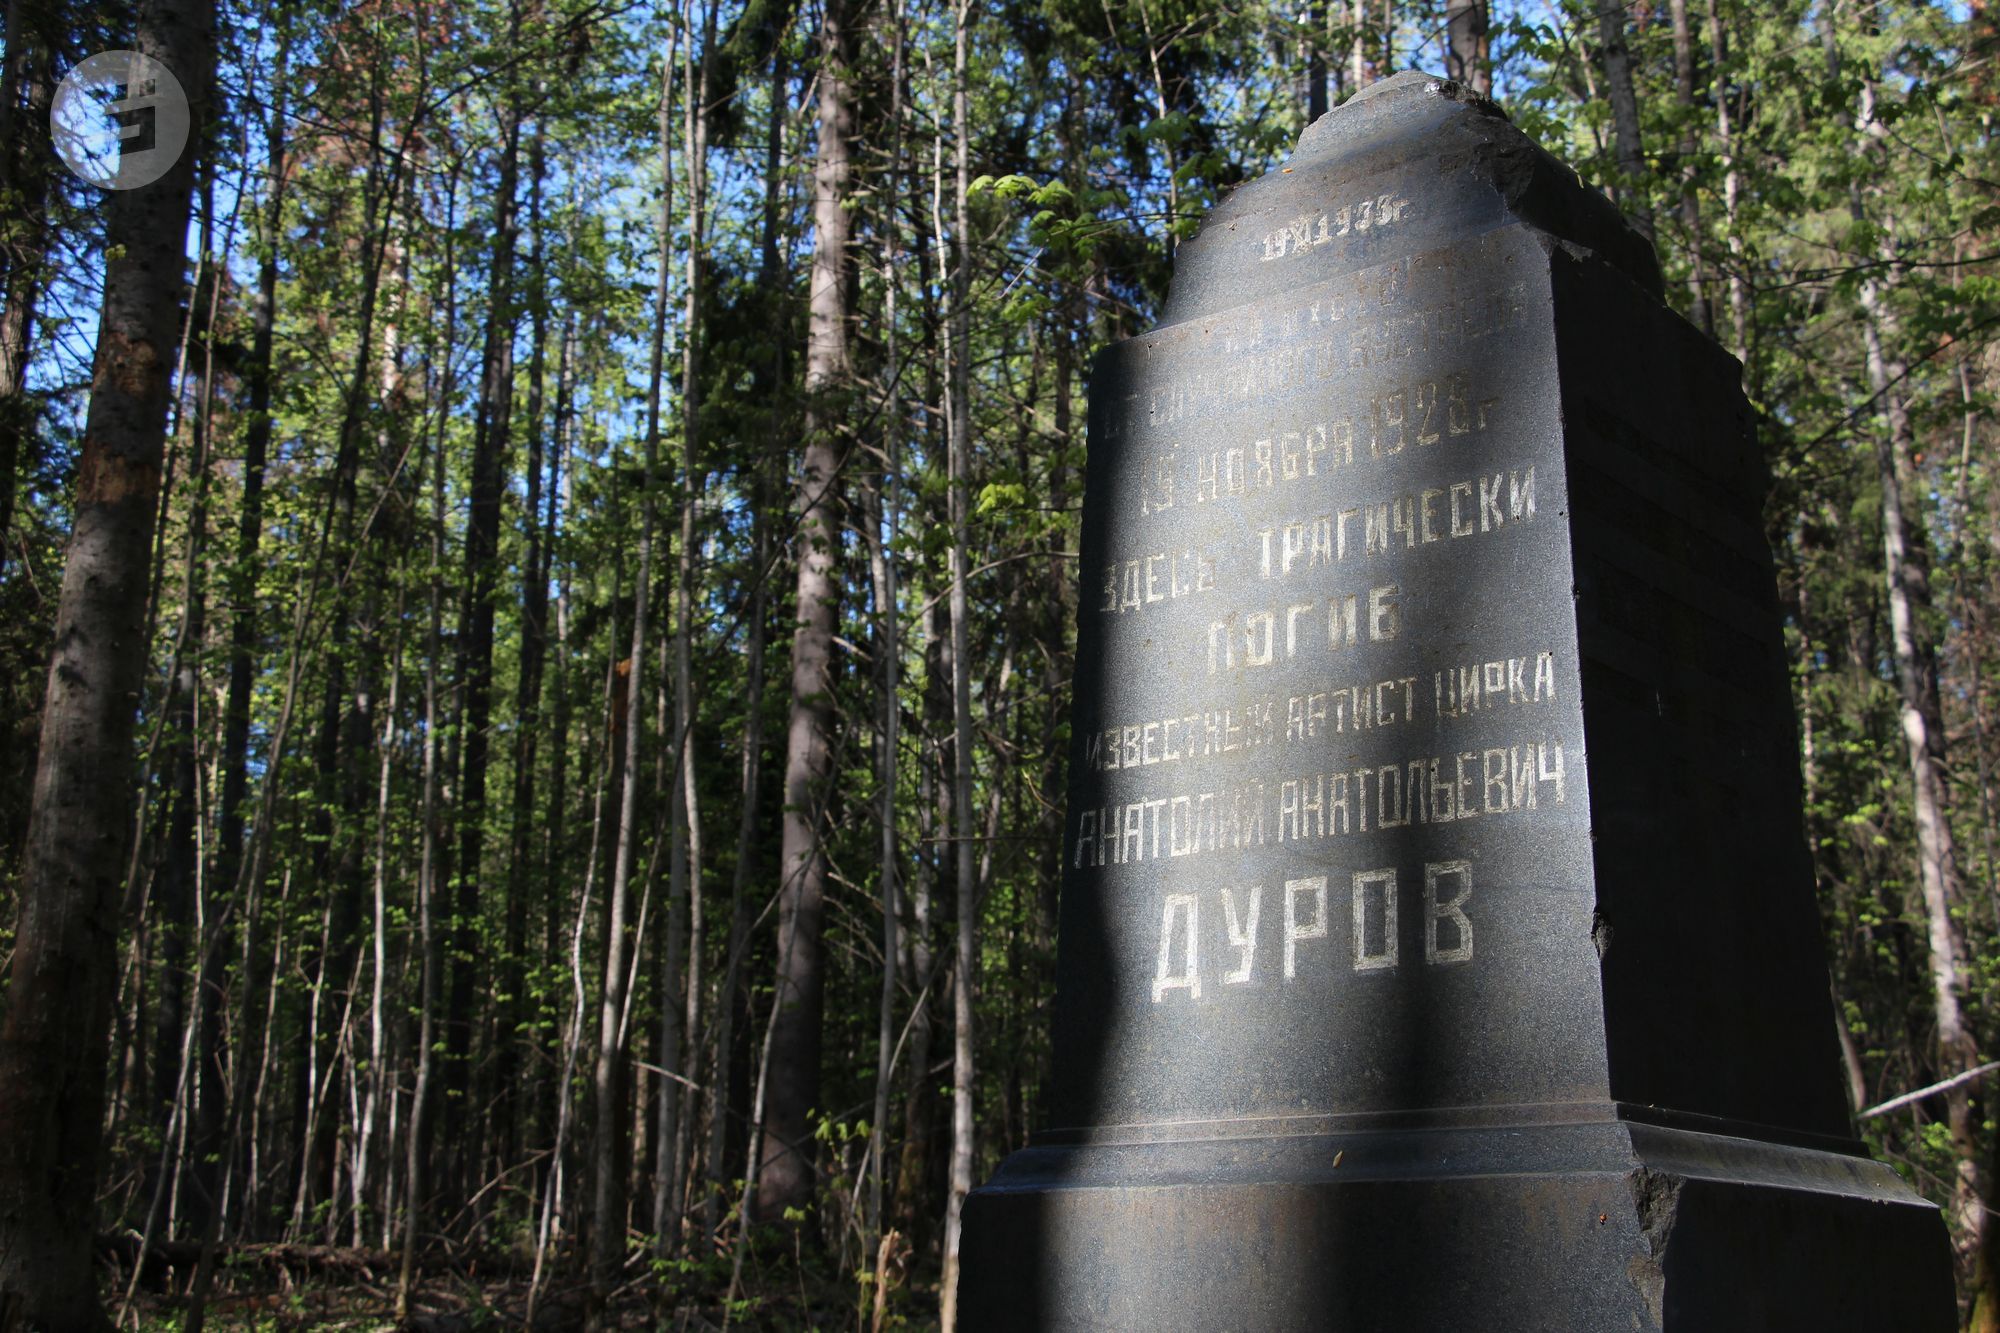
x,y
959,420
608,1085
733,1007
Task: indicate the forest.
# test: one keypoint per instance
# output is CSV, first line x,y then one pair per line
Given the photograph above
x,y
538,585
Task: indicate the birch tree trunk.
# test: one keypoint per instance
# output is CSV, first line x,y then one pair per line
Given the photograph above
x,y
1732,186
1906,570
1466,45
1358,72
1630,152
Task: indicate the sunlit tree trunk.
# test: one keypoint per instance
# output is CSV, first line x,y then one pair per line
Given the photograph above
x,y
785,1162
1616,58
1359,73
1466,45
1906,570
1732,188
1908,587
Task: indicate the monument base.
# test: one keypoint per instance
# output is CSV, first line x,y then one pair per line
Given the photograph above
x,y
1598,1224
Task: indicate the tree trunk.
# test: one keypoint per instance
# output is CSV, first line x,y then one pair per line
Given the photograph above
x,y
363,1146
959,416
915,1170
1359,73
1315,61
609,1148
785,1165
54,1045
27,84
555,831
726,1132
179,885
1698,308
1906,569
1732,185
680,999
491,425
245,619
1630,153
1465,59
1923,736
888,650
515,1011
433,856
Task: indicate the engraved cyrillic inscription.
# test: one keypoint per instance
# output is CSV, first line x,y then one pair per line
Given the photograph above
x,y
1458,691
1273,634
1308,931
1320,342
1243,725
1156,578
1418,414
1375,527
1254,721
1491,782
1317,617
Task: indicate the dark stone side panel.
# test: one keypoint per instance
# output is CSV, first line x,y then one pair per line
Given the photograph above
x,y
1716,998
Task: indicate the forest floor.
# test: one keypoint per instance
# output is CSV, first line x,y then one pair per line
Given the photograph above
x,y
277,1288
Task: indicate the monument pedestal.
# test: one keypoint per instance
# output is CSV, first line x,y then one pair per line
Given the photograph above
x,y
1437,945
1593,1225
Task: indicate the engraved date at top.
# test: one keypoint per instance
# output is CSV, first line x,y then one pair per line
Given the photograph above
x,y
1305,233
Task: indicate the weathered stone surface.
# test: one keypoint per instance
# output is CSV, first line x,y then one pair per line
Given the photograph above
x,y
1437,937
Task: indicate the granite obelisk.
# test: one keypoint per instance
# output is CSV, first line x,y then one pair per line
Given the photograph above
x,y
1437,940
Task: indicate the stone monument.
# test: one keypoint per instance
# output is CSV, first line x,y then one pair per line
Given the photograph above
x,y
1437,939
